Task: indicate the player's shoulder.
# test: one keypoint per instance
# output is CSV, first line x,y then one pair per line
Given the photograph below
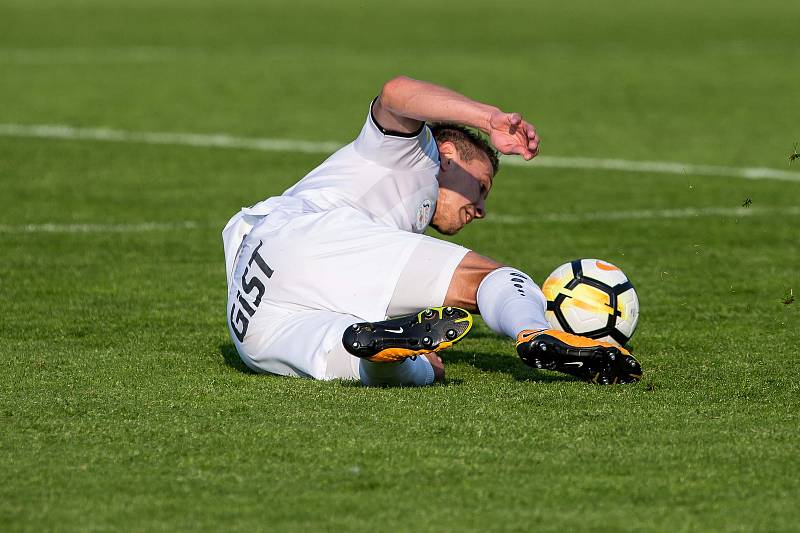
x,y
396,149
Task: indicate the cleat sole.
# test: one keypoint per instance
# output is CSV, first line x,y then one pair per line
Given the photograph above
x,y
431,330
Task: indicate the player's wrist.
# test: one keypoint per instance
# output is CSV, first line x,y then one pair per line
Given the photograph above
x,y
487,119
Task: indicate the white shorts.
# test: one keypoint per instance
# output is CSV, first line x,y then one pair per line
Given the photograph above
x,y
299,280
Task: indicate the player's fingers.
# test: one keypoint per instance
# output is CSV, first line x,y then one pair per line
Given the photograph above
x,y
534,142
514,121
523,151
530,132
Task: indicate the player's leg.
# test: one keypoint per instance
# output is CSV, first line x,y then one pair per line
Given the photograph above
x,y
513,305
422,334
418,321
442,273
299,284
307,343
507,298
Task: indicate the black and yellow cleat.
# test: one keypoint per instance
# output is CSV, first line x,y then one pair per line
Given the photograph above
x,y
431,330
588,359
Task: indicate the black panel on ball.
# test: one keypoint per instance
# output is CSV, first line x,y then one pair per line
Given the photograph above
x,y
622,287
562,320
577,268
618,336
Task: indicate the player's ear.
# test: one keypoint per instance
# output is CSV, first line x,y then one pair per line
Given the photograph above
x,y
447,151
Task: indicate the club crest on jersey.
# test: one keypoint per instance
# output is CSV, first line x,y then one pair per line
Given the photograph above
x,y
424,213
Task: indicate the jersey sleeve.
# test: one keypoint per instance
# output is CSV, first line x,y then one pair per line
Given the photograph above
x,y
412,151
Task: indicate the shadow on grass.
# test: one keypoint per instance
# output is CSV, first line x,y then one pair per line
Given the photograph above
x,y
232,359
488,362
491,362
447,383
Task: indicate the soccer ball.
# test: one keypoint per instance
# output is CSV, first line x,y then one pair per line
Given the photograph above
x,y
592,298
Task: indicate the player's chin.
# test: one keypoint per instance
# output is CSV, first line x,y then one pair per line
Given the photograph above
x,y
446,230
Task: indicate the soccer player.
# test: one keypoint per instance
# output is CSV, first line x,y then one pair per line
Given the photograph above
x,y
314,274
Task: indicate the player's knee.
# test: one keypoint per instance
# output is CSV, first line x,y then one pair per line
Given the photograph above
x,y
467,278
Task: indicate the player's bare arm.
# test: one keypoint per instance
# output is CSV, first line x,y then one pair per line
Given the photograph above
x,y
404,103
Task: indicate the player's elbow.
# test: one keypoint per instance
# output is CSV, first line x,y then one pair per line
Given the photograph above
x,y
394,89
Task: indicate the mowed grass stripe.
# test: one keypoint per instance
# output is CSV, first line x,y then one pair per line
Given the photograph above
x,y
223,140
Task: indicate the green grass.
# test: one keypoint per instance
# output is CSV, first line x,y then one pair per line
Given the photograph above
x,y
123,405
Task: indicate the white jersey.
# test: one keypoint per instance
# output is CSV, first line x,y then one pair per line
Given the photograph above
x,y
389,177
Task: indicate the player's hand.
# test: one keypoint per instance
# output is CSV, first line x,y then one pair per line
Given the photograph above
x,y
510,134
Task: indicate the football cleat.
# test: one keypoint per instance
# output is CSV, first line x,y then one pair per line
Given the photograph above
x,y
588,359
430,330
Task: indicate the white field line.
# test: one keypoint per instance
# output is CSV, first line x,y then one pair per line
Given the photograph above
x,y
654,214
656,167
99,228
55,131
647,214
289,145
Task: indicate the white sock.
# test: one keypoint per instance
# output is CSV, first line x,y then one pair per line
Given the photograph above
x,y
409,372
509,302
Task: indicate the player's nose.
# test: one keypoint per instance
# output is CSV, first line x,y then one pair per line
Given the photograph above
x,y
480,209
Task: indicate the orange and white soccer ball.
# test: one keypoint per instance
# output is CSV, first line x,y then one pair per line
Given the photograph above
x,y
592,298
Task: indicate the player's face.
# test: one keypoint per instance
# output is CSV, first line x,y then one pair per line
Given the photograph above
x,y
463,188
